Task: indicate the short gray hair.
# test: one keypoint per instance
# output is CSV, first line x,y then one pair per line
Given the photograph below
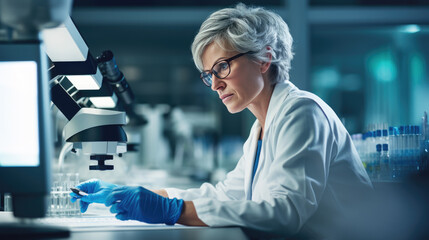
x,y
246,29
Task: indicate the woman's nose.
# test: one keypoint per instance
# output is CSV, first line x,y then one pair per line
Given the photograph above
x,y
217,83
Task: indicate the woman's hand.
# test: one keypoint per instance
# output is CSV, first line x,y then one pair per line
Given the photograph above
x,y
97,192
138,203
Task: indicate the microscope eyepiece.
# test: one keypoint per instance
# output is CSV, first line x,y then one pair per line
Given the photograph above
x,y
105,56
107,65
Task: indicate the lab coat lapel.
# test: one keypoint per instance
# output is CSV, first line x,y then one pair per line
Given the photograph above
x,y
251,160
281,91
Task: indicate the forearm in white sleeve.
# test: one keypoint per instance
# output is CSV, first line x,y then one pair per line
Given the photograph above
x,y
278,216
232,188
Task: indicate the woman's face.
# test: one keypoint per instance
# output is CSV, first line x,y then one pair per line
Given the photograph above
x,y
242,86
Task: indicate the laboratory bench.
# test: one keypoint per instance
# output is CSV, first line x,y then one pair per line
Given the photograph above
x,y
96,226
124,233
182,233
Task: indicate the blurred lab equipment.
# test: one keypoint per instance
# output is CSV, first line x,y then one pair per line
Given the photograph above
x,y
179,138
8,203
60,204
25,113
394,153
197,133
229,151
25,103
154,147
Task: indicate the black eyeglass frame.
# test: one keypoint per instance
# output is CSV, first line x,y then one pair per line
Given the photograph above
x,y
210,72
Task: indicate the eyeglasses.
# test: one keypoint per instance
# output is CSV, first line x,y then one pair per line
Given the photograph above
x,y
221,69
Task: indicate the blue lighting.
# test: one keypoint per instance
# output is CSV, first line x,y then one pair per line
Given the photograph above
x,y
411,28
382,66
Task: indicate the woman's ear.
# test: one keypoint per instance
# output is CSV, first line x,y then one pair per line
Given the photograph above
x,y
266,65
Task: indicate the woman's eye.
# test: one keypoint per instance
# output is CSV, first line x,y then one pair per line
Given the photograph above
x,y
223,65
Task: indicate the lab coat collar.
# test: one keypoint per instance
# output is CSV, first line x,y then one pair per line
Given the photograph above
x,y
280,93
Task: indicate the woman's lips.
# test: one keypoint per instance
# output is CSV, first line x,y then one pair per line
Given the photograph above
x,y
226,97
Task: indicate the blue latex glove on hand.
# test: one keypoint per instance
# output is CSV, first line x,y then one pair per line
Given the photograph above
x,y
97,192
138,203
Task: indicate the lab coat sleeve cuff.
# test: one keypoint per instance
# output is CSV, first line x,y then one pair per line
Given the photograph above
x,y
174,192
204,209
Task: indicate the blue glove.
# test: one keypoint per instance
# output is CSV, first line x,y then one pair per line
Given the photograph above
x,y
138,203
97,192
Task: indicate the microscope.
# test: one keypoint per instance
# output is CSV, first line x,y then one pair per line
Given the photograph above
x,y
96,132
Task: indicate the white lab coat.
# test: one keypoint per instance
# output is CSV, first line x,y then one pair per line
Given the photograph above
x,y
309,172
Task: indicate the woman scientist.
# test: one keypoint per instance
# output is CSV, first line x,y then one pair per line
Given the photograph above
x,y
299,172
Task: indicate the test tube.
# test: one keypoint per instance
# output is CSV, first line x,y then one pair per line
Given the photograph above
x,y
400,156
60,190
376,162
385,136
366,151
75,204
51,208
384,163
7,203
60,204
394,159
416,143
65,195
73,208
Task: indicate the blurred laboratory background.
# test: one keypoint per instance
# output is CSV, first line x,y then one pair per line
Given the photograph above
x,y
368,59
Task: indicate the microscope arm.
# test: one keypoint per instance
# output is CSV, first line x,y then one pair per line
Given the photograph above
x,y
98,132
64,102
